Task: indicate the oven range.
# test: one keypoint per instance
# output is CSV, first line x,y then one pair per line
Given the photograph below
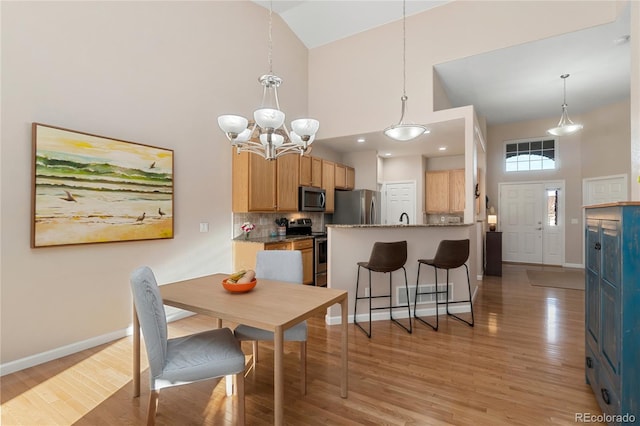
x,y
303,226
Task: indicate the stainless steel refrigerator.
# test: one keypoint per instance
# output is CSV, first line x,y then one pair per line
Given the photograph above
x,y
358,207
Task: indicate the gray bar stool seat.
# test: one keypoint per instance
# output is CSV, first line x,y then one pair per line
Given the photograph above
x,y
385,258
451,254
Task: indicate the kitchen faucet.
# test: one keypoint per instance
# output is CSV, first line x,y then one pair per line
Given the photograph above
x,y
404,215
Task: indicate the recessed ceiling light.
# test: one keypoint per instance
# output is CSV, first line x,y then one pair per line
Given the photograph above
x,y
387,154
360,140
442,148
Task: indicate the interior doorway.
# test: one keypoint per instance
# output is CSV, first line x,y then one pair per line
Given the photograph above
x,y
531,217
399,198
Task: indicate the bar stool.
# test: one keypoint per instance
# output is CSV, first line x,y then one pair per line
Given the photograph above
x,y
385,257
451,254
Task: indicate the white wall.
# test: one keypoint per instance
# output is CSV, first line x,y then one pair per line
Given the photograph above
x,y
351,90
365,164
157,73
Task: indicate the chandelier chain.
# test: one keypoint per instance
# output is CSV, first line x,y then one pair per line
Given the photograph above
x,y
270,38
404,48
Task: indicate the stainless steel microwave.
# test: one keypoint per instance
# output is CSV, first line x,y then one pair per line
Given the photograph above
x,y
311,199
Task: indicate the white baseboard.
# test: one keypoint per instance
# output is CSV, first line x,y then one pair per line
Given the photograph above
x,y
33,360
399,313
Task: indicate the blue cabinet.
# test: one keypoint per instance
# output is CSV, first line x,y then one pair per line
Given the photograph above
x,y
612,309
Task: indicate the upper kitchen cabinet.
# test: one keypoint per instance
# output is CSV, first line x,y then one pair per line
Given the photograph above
x,y
329,184
345,177
259,185
287,179
444,191
351,178
310,171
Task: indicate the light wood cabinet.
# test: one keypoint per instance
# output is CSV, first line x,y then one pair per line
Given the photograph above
x,y
456,191
316,172
310,171
245,252
259,185
351,178
444,191
306,248
437,192
329,183
345,177
287,183
253,186
340,176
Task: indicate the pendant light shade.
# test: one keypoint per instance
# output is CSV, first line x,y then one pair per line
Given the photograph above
x,y
565,126
404,131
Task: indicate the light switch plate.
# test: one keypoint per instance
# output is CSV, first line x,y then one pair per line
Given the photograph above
x,y
204,227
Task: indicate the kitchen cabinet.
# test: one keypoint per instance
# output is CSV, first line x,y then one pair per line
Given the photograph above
x,y
444,191
259,185
341,176
244,254
612,297
310,171
328,183
287,178
345,177
351,178
306,248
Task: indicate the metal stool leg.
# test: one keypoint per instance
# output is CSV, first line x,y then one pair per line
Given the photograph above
x,y
391,305
462,301
355,307
434,292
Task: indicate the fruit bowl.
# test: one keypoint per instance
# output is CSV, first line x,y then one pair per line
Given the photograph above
x,y
239,288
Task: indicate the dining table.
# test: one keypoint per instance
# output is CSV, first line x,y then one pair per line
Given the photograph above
x,y
270,305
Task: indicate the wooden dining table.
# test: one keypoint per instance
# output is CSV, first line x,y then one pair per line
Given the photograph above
x,y
271,305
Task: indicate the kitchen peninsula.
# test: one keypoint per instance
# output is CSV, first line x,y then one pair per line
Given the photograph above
x,y
350,244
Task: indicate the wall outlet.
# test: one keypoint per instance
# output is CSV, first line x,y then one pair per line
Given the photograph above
x,y
204,227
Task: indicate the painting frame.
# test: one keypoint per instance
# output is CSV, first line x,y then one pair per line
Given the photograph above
x,y
91,189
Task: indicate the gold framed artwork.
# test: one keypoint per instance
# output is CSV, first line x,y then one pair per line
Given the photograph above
x,y
95,189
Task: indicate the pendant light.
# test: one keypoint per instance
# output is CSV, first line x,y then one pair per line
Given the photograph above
x,y
565,126
267,135
403,131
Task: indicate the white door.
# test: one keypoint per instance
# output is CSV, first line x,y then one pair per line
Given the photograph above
x,y
520,220
606,189
400,197
531,218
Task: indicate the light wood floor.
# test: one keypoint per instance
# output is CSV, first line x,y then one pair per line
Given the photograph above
x,y
522,364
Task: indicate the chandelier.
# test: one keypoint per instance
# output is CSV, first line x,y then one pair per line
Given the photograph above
x,y
267,135
403,131
565,126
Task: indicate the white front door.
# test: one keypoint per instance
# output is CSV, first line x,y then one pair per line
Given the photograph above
x,y
520,219
400,197
531,218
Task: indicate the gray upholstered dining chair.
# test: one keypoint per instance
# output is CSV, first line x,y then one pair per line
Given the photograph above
x,y
280,265
182,360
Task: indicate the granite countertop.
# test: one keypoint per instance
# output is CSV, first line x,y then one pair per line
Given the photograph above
x,y
266,240
397,225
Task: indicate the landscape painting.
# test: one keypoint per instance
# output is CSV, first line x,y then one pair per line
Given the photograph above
x,y
94,189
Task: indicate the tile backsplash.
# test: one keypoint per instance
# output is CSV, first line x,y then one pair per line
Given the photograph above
x,y
266,225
